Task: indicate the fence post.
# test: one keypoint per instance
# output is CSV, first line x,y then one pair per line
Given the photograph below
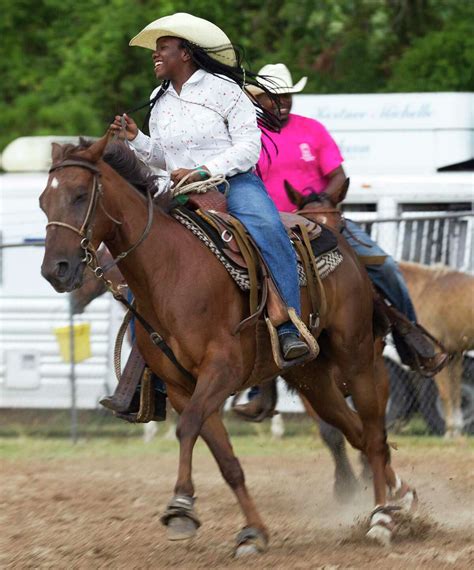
x,y
387,207
72,373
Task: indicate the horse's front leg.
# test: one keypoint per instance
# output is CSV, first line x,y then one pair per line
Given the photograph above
x,y
215,383
254,536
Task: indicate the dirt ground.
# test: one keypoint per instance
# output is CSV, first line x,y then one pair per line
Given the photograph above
x,y
102,511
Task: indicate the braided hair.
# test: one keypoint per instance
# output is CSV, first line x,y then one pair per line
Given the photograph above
x,y
238,74
234,72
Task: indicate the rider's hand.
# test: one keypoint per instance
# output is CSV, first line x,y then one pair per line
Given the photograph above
x,y
178,174
131,128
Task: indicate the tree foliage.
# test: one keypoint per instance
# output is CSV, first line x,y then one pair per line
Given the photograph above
x,y
67,68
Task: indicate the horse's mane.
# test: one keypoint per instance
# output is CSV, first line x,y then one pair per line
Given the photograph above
x,y
126,163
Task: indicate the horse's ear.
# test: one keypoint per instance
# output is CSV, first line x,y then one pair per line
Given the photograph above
x,y
96,150
56,152
343,190
293,195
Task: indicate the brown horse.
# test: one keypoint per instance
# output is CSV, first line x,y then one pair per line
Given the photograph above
x,y
452,293
189,298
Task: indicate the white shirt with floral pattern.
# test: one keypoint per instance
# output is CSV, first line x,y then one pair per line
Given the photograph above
x,y
211,122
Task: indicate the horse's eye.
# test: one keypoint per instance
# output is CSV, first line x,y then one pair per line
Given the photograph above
x,y
80,198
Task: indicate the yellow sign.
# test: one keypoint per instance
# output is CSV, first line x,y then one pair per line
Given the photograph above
x,y
82,342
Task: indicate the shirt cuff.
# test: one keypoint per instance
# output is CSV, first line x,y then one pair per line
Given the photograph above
x,y
140,142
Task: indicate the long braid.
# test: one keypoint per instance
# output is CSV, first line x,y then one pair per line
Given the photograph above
x,y
150,104
236,73
239,75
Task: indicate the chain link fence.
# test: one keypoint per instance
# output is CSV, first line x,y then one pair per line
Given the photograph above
x,y
434,236
414,406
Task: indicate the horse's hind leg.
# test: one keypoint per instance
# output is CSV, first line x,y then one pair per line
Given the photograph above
x,y
400,492
365,430
375,447
345,482
254,536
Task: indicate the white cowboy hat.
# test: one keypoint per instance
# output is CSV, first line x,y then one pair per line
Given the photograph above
x,y
277,78
196,30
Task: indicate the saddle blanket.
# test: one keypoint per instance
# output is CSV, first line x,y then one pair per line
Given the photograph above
x,y
326,262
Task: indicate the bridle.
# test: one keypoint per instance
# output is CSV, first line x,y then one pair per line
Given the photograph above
x,y
85,231
90,253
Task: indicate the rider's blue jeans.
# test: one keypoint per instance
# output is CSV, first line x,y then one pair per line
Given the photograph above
x,y
386,277
249,202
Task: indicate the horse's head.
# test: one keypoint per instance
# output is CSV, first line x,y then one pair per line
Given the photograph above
x,y
319,206
70,202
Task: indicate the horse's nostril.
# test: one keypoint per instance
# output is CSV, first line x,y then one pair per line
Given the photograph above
x,y
62,268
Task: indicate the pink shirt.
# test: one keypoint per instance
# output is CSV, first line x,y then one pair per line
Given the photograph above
x,y
305,154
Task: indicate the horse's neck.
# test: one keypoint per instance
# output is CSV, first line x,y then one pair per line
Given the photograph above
x,y
139,267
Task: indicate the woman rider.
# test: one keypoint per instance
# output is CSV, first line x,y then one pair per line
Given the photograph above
x,y
305,154
202,124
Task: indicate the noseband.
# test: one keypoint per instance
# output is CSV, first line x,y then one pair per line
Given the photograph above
x,y
85,231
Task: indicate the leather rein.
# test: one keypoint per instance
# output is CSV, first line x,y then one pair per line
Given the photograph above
x,y
90,253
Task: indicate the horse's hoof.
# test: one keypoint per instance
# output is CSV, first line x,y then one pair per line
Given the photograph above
x,y
381,526
406,498
181,528
180,518
381,535
250,541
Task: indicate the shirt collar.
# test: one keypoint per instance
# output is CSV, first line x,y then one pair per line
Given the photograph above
x,y
197,76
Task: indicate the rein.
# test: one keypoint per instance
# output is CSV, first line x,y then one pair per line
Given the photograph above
x,y
90,254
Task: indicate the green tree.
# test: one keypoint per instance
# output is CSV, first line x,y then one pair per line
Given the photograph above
x,y
66,66
440,61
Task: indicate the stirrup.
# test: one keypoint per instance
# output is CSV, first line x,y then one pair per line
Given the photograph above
x,y
306,336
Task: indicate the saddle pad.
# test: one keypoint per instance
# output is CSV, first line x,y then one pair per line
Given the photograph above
x,y
326,262
327,241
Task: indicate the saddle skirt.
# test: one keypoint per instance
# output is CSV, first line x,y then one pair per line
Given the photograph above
x,y
214,203
206,216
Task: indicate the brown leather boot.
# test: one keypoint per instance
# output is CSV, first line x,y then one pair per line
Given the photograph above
x,y
261,406
431,366
418,350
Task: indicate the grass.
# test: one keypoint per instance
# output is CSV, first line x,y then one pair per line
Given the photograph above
x,y
48,437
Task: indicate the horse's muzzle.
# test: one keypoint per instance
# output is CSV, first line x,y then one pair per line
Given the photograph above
x,y
63,274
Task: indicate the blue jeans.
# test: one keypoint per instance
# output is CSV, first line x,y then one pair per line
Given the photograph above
x,y
249,202
386,277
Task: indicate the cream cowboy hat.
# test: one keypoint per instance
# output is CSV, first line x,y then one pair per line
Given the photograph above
x,y
277,78
196,30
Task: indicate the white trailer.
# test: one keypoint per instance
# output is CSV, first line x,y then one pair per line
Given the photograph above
x,y
394,146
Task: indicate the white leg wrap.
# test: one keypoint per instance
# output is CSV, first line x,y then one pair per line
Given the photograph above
x,y
407,501
381,525
398,483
